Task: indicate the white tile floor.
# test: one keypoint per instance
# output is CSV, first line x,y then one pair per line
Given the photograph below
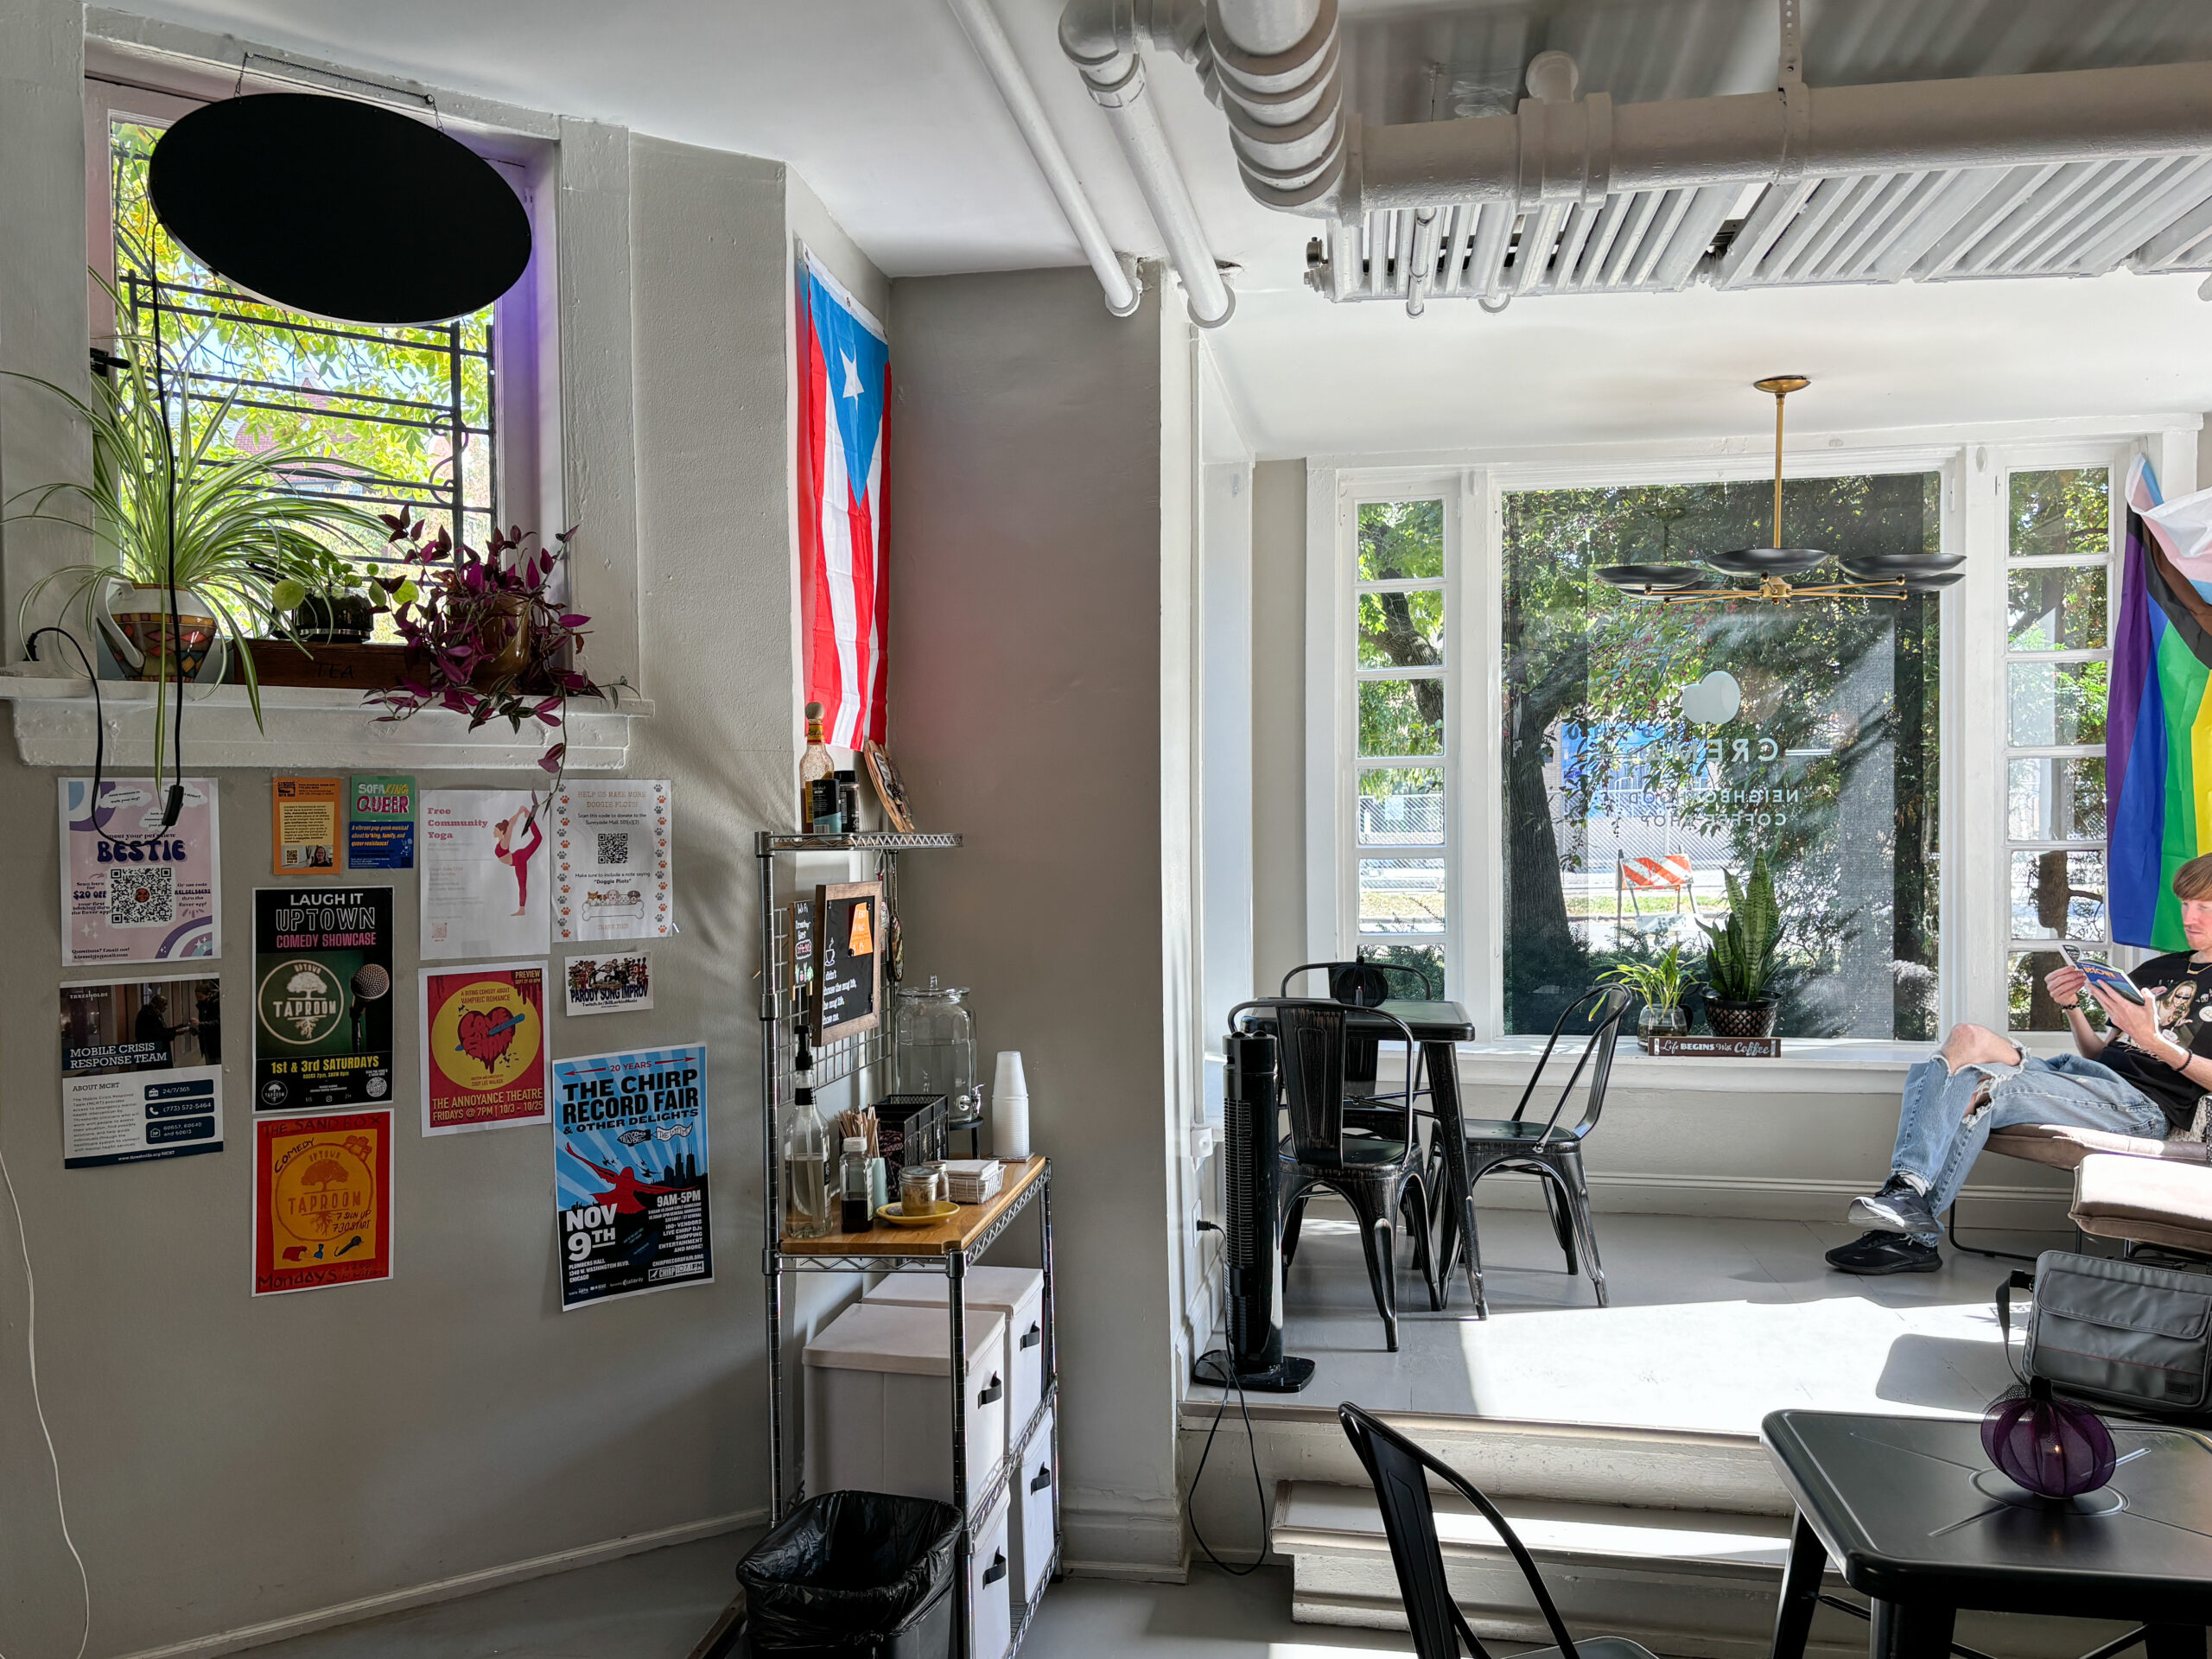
x,y
1713,1323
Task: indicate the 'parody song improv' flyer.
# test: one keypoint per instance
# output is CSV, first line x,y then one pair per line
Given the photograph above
x,y
630,1172
323,1017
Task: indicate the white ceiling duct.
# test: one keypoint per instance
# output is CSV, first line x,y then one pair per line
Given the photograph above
x,y
2073,172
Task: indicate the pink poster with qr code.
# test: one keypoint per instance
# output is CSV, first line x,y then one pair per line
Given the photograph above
x,y
134,889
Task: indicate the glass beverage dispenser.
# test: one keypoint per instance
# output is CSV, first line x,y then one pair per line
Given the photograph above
x,y
933,1051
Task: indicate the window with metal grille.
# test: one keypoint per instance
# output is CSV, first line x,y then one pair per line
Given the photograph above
x,y
403,417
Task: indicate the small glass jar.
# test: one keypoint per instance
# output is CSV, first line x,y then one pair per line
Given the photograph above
x,y
1660,1022
933,1050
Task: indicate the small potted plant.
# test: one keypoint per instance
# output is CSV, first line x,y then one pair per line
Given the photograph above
x,y
487,639
1739,957
331,604
1660,983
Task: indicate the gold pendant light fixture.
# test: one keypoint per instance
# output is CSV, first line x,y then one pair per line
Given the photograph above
x,y
1873,575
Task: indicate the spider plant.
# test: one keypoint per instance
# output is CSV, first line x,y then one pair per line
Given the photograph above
x,y
170,503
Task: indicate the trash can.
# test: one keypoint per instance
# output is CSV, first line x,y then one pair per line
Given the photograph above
x,y
855,1575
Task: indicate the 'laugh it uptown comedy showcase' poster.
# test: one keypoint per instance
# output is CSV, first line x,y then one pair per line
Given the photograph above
x,y
322,1019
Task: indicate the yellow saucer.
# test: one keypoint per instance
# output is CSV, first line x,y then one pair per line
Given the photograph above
x,y
897,1215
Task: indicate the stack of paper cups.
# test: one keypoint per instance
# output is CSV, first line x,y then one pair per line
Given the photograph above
x,y
1010,1109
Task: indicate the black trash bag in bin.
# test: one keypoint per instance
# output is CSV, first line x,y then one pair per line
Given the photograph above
x,y
847,1570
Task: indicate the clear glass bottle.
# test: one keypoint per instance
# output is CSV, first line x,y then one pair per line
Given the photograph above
x,y
933,1050
814,766
806,1155
855,1212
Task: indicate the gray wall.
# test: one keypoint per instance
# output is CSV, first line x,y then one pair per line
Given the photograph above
x,y
1026,684
229,1461
1278,719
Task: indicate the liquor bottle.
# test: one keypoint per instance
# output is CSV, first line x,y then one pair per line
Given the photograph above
x,y
813,766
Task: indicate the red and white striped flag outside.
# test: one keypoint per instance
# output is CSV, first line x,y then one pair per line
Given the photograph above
x,y
844,387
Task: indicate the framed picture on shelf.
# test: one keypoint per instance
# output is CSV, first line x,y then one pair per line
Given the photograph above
x,y
890,788
848,946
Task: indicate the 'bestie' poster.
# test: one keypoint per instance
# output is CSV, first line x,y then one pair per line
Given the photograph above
x,y
133,890
322,1018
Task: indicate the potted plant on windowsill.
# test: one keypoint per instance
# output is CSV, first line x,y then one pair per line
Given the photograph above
x,y
1739,957
487,639
192,539
1660,983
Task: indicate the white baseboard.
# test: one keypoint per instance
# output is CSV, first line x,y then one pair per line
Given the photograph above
x,y
452,1589
1126,1539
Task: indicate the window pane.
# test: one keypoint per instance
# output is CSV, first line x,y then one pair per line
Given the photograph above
x,y
1712,734
1401,630
2058,895
2034,1008
1401,806
1401,895
1400,540
1400,717
1427,960
2058,607
2057,799
2056,704
2067,511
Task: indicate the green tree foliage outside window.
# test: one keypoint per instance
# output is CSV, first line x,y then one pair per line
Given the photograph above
x,y
377,402
1835,781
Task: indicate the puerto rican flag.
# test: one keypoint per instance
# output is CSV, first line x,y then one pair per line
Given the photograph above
x,y
845,386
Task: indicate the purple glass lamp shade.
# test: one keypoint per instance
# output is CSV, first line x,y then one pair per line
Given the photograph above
x,y
2054,1448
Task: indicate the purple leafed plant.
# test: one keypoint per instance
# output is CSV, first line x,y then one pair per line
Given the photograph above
x,y
488,641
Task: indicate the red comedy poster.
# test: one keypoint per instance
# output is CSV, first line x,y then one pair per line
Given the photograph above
x,y
321,1201
483,1047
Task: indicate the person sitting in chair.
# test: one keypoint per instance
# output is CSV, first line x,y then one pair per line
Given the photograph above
x,y
2142,1076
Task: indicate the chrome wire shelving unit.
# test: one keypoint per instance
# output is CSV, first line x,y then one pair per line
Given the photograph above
x,y
950,1250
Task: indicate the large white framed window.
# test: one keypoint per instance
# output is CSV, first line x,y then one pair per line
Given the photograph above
x,y
1884,748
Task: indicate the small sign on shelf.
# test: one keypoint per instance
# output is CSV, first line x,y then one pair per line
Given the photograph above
x,y
1734,1048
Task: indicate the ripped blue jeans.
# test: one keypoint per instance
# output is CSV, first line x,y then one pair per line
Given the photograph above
x,y
1940,1133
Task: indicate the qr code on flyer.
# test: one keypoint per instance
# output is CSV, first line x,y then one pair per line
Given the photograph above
x,y
142,898
614,846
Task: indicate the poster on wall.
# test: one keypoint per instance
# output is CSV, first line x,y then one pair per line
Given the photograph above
x,y
131,890
141,1070
630,1173
483,1047
608,984
322,1019
483,875
304,817
379,822
611,860
321,1201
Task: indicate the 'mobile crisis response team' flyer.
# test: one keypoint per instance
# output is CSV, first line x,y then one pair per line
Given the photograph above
x,y
322,1019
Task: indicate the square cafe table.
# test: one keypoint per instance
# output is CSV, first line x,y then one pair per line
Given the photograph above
x,y
1917,1521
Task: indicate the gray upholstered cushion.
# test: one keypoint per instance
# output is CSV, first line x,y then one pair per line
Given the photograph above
x,y
2063,1147
2152,1201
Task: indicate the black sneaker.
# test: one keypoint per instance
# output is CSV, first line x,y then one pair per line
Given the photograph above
x,y
1880,1253
1897,1208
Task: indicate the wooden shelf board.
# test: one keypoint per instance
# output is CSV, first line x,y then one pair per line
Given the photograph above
x,y
956,1232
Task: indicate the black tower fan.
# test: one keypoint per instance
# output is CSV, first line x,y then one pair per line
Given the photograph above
x,y
1254,1357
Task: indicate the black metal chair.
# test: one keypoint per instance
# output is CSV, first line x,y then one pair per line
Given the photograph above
x,y
1547,1151
1379,1175
1399,1470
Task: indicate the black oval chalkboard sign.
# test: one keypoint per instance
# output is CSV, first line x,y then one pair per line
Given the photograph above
x,y
343,209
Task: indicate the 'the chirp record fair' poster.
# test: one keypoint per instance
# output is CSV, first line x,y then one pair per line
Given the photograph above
x,y
483,1047
630,1173
322,1019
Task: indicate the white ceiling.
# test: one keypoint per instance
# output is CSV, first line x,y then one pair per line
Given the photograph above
x,y
881,107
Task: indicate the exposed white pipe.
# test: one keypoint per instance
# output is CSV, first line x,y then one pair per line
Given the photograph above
x,y
1102,38
1276,66
1116,276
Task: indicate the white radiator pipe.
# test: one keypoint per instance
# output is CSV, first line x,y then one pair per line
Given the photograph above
x,y
1577,151
1102,37
1276,68
1115,275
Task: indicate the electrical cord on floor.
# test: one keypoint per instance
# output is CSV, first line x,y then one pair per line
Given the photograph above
x,y
1258,1491
38,1406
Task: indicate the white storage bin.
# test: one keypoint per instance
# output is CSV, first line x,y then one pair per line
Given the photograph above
x,y
990,1570
878,1415
1016,1293
1035,1478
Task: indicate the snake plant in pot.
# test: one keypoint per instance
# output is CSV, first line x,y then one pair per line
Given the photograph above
x,y
1739,957
197,544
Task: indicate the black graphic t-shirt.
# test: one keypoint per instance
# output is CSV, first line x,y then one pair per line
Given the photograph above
x,y
2179,990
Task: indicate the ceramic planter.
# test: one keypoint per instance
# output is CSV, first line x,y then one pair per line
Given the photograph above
x,y
342,620
145,640
1742,1019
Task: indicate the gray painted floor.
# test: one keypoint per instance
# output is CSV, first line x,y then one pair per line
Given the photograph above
x,y
1713,1323
659,1605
